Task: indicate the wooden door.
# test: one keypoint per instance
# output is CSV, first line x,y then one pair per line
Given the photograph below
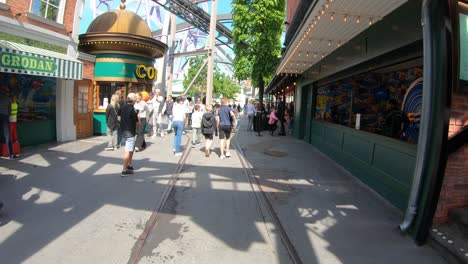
x,y
83,108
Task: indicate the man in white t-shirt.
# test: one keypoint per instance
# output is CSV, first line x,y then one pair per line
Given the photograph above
x,y
178,122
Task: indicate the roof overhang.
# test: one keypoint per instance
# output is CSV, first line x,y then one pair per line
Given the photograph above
x,y
329,25
24,59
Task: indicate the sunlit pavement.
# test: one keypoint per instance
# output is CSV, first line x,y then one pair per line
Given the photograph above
x,y
67,203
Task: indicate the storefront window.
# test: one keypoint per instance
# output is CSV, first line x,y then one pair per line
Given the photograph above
x,y
386,102
35,95
463,47
106,90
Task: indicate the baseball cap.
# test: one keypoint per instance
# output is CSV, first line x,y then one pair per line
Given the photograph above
x,y
131,97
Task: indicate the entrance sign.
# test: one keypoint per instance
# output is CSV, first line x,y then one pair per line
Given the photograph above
x,y
23,59
143,72
24,62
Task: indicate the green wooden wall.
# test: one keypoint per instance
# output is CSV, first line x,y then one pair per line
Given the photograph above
x,y
36,132
384,164
99,123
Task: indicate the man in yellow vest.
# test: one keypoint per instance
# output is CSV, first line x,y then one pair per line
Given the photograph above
x,y
13,119
5,110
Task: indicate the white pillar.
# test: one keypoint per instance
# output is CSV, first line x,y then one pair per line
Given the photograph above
x,y
162,63
66,129
211,53
170,67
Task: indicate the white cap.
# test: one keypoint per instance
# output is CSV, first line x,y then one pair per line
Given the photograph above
x,y
131,97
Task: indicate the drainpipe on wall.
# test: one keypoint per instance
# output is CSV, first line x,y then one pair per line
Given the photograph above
x,y
440,76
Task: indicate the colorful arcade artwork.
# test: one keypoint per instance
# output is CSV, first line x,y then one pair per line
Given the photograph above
x,y
412,105
35,95
368,95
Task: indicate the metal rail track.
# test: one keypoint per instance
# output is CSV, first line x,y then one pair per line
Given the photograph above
x,y
256,187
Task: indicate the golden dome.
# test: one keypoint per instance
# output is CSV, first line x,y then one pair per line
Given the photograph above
x,y
121,31
120,21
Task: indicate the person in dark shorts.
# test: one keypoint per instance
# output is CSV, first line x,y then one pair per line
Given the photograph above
x,y
208,128
128,123
225,120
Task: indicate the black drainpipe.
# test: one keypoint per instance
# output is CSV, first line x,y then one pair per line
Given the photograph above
x,y
441,69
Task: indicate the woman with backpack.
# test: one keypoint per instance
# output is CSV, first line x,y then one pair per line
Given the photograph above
x,y
208,128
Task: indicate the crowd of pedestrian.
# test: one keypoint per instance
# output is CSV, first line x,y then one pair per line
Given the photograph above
x,y
130,123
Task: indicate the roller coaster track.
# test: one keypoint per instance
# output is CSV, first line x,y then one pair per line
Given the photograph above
x,y
197,17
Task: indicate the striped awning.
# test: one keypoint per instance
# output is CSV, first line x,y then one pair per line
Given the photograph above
x,y
23,59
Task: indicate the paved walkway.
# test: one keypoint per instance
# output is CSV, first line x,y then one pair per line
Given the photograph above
x,y
67,203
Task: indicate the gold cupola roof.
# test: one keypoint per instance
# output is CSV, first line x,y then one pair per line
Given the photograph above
x,y
122,32
120,21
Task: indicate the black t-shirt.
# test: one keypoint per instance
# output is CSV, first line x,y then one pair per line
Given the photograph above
x,y
129,119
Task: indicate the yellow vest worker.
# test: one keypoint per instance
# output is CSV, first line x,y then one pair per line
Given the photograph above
x,y
14,112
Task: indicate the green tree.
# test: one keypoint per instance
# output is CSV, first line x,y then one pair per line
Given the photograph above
x,y
257,27
222,83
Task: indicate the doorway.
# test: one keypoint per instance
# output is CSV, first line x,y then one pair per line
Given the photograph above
x,y
83,108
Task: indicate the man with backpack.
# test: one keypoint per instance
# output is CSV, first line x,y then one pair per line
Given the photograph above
x,y
208,128
225,120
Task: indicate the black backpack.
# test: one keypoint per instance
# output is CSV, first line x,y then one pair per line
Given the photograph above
x,y
207,122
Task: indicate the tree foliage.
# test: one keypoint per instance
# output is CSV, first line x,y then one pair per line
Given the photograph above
x,y
257,28
222,83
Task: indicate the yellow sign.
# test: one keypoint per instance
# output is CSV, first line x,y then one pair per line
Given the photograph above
x,y
143,71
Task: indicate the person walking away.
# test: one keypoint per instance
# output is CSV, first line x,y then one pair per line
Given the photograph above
x,y
202,106
150,116
197,116
13,120
169,114
121,103
224,123
208,128
280,115
272,122
179,119
160,108
291,118
5,111
142,110
188,105
128,124
113,122
250,114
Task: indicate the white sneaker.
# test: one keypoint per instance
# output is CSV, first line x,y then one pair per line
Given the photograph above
x,y
178,154
228,154
222,157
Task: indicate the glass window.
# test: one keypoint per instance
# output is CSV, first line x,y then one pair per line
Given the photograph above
x,y
3,1
463,47
387,101
106,90
50,9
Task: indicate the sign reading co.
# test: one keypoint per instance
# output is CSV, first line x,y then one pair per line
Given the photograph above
x,y
25,62
143,71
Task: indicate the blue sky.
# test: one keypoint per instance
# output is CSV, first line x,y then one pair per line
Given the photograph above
x,y
224,7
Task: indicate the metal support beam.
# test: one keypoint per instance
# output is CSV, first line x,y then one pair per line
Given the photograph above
x,y
211,52
195,77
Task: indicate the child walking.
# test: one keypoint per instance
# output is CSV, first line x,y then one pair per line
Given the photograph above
x,y
197,116
272,121
209,128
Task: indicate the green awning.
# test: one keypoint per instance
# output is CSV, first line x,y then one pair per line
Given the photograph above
x,y
24,59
